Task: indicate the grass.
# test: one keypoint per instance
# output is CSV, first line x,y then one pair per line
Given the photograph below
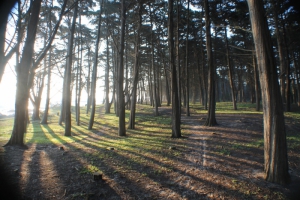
x,y
147,145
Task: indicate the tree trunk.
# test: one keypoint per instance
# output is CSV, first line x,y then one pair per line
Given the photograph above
x,y
67,103
256,83
280,51
275,147
287,74
187,63
135,69
155,87
178,59
176,132
22,95
46,111
211,116
94,74
121,103
88,84
230,72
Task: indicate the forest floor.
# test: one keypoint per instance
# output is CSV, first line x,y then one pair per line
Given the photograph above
x,y
221,162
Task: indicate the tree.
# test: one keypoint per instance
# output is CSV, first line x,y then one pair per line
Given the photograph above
x,y
94,74
187,62
68,77
275,147
121,102
176,132
136,68
211,116
22,95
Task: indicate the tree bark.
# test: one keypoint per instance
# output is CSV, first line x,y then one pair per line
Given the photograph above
x,y
135,70
275,147
67,103
22,95
94,73
187,63
178,59
176,132
230,72
121,103
211,118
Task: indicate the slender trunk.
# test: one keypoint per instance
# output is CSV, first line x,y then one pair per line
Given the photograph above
x,y
178,59
275,147
135,70
68,77
256,83
187,63
287,75
211,118
176,132
46,111
280,51
230,72
107,104
94,74
121,103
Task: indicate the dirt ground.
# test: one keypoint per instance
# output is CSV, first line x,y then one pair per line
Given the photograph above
x,y
221,162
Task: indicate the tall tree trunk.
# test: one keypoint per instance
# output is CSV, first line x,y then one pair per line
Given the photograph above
x,y
287,74
256,83
68,77
155,87
176,132
178,59
46,111
275,147
187,63
88,84
211,116
280,51
167,84
135,70
80,74
230,72
107,104
22,95
121,103
94,74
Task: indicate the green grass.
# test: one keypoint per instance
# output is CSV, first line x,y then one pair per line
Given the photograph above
x,y
147,145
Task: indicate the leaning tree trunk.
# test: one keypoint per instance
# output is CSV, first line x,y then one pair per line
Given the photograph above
x,y
135,70
176,132
211,116
94,74
275,147
22,95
